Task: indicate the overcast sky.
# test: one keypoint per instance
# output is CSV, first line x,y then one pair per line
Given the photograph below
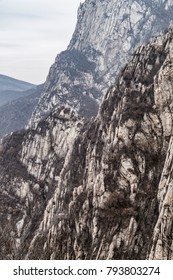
x,y
32,33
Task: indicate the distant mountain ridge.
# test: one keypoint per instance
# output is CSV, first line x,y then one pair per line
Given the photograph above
x,y
15,114
11,89
9,83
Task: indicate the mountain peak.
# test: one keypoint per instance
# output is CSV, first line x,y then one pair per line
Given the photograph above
x,y
106,34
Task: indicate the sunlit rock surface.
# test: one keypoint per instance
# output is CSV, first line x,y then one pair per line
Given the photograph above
x,y
113,199
99,189
106,34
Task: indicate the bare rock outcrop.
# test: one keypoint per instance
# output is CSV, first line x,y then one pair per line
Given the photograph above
x,y
106,35
114,196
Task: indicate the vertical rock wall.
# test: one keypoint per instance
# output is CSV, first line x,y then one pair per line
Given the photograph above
x,y
114,196
106,35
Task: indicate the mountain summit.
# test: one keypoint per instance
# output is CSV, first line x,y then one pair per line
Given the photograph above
x,y
106,34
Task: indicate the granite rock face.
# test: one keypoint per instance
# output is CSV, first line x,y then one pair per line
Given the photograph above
x,y
106,34
98,189
29,171
114,196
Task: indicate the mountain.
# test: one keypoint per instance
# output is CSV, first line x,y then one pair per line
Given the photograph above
x,y
99,188
106,34
8,83
113,197
16,114
11,89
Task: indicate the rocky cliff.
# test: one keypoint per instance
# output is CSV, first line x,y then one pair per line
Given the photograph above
x,y
113,198
99,189
106,34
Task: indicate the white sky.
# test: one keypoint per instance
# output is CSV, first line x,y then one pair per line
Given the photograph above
x,y
32,33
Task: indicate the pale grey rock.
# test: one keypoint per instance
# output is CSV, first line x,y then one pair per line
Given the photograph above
x,y
106,193
106,34
50,141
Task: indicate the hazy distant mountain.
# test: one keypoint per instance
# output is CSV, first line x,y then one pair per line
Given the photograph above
x,y
11,89
15,114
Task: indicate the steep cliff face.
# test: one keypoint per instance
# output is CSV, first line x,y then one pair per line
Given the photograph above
x,y
107,32
29,171
100,189
114,198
